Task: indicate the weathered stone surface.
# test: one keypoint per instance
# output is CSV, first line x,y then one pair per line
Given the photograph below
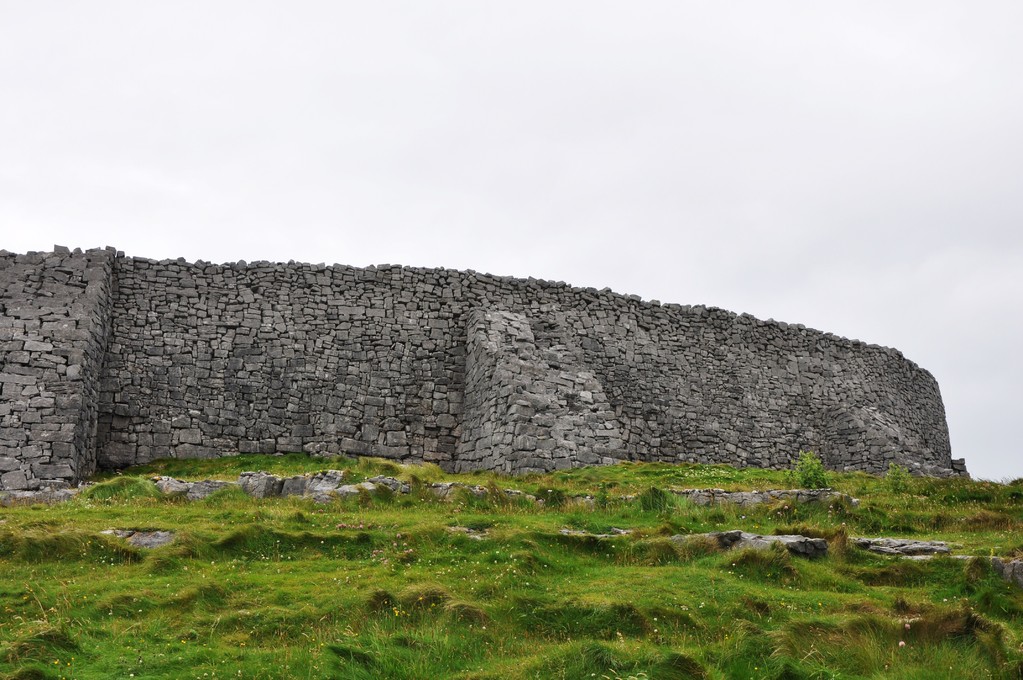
x,y
615,533
748,498
260,484
902,546
45,495
395,485
802,546
349,490
295,486
200,490
194,491
1010,570
55,319
326,481
447,489
143,539
171,486
112,360
475,534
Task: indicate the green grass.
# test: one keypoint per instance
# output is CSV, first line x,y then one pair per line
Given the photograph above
x,y
380,587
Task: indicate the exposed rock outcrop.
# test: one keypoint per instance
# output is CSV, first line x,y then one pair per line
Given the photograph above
x,y
802,546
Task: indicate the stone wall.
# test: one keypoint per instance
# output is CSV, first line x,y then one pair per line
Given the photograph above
x,y
54,323
470,371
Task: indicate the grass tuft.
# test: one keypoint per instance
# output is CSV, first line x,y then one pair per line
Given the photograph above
x,y
122,489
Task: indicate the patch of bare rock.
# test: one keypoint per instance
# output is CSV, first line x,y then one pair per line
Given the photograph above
x,y
615,533
45,495
801,546
475,534
142,539
903,547
705,497
1010,570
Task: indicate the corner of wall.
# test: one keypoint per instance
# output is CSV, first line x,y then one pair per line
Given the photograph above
x,y
53,333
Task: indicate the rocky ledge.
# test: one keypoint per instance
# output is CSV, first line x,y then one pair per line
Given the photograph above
x,y
747,498
904,547
802,546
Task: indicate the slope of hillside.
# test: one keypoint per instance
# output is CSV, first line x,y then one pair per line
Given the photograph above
x,y
610,576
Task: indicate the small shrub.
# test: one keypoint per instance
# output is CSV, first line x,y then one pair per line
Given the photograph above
x,y
810,471
897,479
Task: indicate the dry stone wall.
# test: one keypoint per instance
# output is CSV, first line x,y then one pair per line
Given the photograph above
x,y
466,370
54,324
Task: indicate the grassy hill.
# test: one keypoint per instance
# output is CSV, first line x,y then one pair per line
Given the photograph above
x,y
385,585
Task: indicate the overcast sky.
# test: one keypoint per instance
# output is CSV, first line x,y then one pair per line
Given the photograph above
x,y
856,167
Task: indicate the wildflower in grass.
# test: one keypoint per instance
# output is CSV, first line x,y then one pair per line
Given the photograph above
x,y
902,643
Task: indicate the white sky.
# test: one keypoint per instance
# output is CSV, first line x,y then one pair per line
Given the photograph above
x,y
856,167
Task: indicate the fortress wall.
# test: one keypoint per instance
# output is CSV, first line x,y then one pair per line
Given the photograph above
x,y
54,321
268,358
115,361
206,359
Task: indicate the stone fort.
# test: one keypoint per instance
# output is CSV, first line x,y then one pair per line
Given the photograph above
x,y
107,361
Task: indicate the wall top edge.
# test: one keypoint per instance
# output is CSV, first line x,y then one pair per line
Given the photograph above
x,y
607,293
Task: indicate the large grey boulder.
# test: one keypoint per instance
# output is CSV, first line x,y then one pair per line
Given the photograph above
x,y
260,484
325,482
295,486
171,486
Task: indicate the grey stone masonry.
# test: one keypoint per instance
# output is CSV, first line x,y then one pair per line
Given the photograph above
x,y
114,360
54,325
528,409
